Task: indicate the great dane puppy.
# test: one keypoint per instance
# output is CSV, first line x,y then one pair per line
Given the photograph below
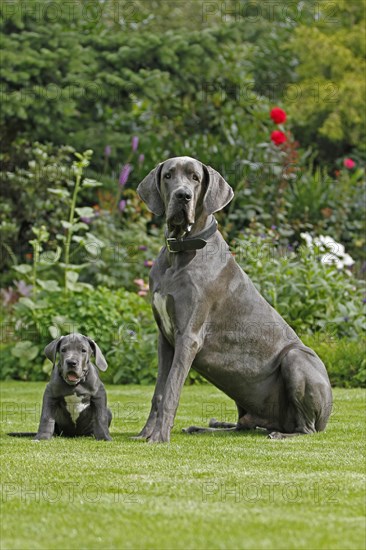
x,y
75,402
212,318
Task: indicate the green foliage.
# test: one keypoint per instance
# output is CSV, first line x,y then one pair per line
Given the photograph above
x,y
121,323
26,201
345,359
330,102
312,296
127,254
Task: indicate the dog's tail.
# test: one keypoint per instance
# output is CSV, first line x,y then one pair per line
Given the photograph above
x,y
22,434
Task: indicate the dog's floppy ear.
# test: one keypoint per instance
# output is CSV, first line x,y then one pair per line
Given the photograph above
x,y
149,192
52,348
218,193
100,361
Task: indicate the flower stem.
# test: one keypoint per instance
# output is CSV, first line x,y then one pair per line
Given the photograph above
x,y
69,229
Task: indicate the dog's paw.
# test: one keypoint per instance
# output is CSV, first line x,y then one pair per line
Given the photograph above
x,y
158,437
213,423
275,435
191,430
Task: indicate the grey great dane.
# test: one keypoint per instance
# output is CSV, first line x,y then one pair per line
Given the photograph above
x,y
75,401
212,318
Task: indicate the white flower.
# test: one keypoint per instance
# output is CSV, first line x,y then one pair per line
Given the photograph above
x,y
307,238
335,253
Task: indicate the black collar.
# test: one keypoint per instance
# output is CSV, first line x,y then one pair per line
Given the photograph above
x,y
191,243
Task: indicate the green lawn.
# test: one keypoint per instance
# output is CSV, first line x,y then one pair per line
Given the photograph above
x,y
209,491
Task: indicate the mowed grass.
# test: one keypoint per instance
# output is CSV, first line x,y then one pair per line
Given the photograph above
x,y
211,491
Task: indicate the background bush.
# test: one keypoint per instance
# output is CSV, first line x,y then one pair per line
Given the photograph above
x,y
197,79
120,322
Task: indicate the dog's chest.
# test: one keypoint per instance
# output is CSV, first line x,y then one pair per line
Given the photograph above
x,y
161,308
76,404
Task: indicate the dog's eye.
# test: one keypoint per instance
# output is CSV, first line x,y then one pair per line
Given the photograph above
x,y
195,177
63,350
83,350
167,176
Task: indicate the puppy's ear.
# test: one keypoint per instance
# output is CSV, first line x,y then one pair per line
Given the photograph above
x,y
100,361
218,193
52,348
149,192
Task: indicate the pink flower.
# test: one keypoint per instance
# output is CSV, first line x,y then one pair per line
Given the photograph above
x,y
135,143
122,205
278,137
349,163
125,172
278,115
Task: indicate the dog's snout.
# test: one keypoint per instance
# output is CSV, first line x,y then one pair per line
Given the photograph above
x,y
71,363
183,195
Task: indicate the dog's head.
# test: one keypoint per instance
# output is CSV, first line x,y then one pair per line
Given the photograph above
x,y
75,351
184,189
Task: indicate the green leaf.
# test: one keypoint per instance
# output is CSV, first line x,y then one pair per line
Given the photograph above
x,y
54,331
79,225
23,268
50,285
85,212
71,277
91,183
50,256
25,350
62,193
27,302
65,224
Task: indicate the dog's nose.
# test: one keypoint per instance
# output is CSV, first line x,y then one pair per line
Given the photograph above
x,y
183,195
71,363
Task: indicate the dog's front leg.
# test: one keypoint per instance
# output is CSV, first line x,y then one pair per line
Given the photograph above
x,y
100,415
185,351
165,358
46,427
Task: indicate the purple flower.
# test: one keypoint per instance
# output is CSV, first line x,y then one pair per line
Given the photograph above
x,y
273,227
364,300
141,159
125,172
8,295
135,143
107,151
346,318
142,247
23,289
122,205
85,220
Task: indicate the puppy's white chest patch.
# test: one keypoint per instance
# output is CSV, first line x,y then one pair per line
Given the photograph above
x,y
160,304
75,406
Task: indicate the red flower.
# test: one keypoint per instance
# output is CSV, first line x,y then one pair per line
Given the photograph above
x,y
278,137
349,163
278,115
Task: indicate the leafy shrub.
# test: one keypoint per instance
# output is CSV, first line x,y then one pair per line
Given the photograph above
x,y
312,296
344,359
128,251
120,322
26,201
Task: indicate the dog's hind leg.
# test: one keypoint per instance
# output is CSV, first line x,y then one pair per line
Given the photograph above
x,y
308,391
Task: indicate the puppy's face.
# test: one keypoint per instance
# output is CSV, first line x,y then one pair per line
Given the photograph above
x,y
75,352
182,189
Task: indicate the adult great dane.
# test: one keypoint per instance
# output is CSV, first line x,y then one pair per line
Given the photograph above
x,y
212,318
